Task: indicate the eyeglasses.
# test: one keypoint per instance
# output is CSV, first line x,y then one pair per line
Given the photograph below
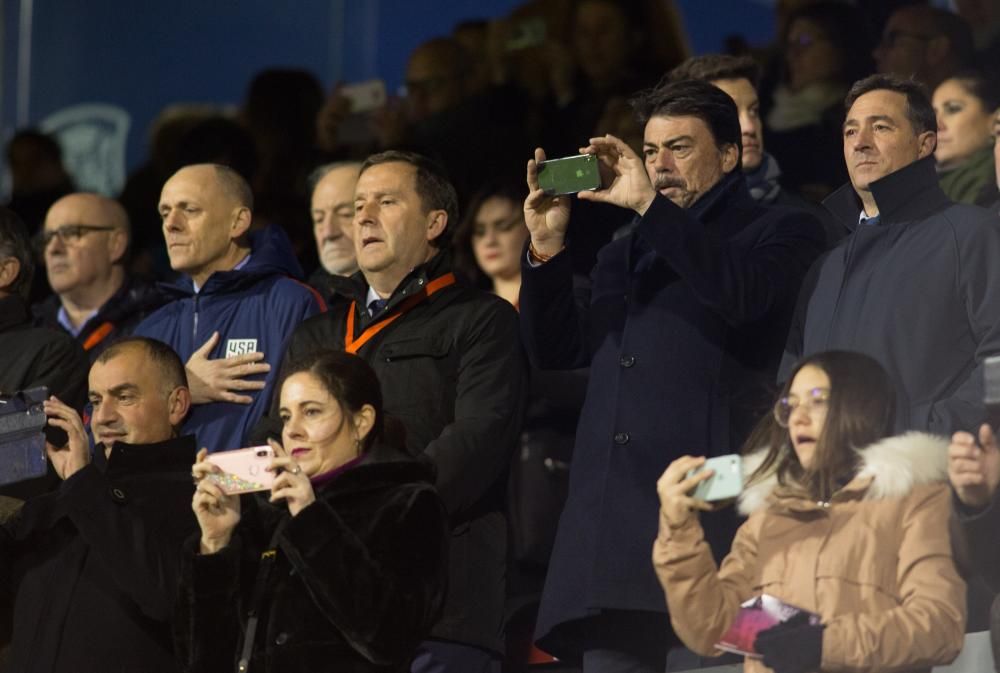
x,y
803,41
69,234
890,38
817,398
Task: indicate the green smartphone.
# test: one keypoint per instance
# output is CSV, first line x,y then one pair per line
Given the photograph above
x,y
569,175
726,483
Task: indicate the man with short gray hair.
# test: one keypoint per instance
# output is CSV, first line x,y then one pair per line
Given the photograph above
x,y
332,210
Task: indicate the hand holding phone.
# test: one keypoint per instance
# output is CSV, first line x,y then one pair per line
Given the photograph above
x,y
726,481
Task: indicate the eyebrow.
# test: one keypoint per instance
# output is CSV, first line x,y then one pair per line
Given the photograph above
x,y
669,141
871,119
124,388
378,195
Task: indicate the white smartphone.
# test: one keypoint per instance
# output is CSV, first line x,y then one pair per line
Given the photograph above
x,y
365,96
726,483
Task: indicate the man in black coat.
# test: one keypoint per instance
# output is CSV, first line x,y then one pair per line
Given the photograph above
x,y
90,570
448,359
85,241
682,327
31,357
916,284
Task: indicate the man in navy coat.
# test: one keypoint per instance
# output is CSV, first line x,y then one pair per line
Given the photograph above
x,y
682,324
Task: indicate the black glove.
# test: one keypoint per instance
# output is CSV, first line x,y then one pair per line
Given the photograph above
x,y
795,646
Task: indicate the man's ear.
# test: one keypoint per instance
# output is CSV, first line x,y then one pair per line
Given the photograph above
x,y
730,158
10,267
117,245
437,222
178,405
242,218
926,144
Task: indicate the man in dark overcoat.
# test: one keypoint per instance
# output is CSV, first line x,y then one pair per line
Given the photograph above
x,y
682,326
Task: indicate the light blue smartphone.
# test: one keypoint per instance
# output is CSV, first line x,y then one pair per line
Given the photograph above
x,y
726,483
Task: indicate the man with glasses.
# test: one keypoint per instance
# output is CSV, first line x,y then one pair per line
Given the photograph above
x,y
85,242
926,43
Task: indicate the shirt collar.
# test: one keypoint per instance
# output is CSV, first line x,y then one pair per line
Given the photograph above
x,y
63,317
239,265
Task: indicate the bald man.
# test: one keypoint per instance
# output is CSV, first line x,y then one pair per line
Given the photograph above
x,y
236,302
85,239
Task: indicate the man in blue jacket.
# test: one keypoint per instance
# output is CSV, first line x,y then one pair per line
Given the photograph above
x,y
682,326
235,305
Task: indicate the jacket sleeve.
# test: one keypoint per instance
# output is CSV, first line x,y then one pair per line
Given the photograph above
x,y
795,343
472,453
136,543
978,278
63,367
383,591
928,626
975,534
554,314
741,286
206,623
704,600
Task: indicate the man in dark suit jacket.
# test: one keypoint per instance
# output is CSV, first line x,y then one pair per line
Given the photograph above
x,y
682,327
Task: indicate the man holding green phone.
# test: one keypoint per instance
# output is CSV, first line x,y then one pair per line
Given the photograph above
x,y
682,325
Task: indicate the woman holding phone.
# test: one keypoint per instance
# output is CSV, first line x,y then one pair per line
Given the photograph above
x,y
845,521
341,564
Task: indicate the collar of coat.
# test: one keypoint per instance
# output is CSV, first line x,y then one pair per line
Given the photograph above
x,y
889,468
355,287
911,193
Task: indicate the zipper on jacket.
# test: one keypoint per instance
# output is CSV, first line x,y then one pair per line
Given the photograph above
x,y
194,332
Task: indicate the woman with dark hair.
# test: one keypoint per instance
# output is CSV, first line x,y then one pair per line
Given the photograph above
x,y
489,242
845,521
966,105
342,565
826,49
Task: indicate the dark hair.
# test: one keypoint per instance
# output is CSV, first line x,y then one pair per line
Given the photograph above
x,y
169,364
350,381
219,140
984,87
919,110
44,144
847,30
861,411
693,98
15,242
465,259
713,67
432,186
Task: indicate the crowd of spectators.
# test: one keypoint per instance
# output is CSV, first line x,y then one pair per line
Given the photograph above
x,y
467,387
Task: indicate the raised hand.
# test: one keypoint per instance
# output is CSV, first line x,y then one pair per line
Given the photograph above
x,y
76,454
547,217
216,380
217,512
974,471
292,485
676,506
623,175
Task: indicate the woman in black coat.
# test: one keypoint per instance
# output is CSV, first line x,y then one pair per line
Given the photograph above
x,y
342,567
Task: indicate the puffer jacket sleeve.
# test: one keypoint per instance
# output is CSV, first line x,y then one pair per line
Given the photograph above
x,y
382,588
928,626
704,600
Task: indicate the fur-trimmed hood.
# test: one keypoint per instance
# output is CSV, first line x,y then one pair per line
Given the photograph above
x,y
891,468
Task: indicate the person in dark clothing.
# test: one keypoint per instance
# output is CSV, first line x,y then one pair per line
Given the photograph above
x,y
89,571
232,311
344,564
974,472
31,357
682,325
332,213
448,359
85,240
738,76
915,285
